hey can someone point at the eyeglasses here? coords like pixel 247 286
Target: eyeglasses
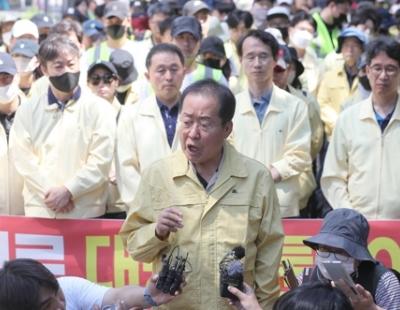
pixel 390 70
pixel 339 256
pixel 96 79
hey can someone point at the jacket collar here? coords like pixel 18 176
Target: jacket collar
pixel 231 166
pixel 367 110
pixel 247 106
pixel 149 107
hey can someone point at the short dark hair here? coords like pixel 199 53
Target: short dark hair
pixel 66 26
pixel 236 17
pixel 20 283
pixel 303 16
pixel 314 296
pixel 363 14
pixel 55 45
pixel 327 2
pixel 210 88
pixel 164 48
pixel 265 37
pixel 166 24
pixel 386 45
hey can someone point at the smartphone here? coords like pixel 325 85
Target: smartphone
pixel 337 272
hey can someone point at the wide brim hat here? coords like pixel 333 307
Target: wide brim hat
pixel 345 229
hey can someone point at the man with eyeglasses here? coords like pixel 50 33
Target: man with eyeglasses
pixel 271 125
pixel 361 169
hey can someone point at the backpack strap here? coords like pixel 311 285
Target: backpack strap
pixel 369 274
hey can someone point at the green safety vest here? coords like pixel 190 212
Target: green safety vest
pixel 326 43
pixel 204 72
pixel 98 52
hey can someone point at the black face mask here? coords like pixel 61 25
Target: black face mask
pixel 115 31
pixel 42 37
pixel 339 21
pixel 213 63
pixel 65 82
pixel 364 82
pixel 285 33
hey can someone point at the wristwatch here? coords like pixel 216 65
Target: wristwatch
pixel 148 299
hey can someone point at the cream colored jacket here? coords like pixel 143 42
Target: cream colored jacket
pixel 141 140
pixel 362 169
pixel 73 148
pixel 241 209
pixel 11 183
pixel 283 140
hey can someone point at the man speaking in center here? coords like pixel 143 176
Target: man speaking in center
pixel 207 199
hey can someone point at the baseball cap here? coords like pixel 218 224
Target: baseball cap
pixel 125 66
pixel 284 2
pixel 188 24
pixel 27 48
pixel 92 27
pixel 23 27
pixel 7 64
pixel 102 64
pixel 193 6
pixel 278 11
pixel 351 32
pixel 276 33
pixel 118 9
pixel 42 20
pixel 213 45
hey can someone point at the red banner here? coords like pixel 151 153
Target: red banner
pixel 92 248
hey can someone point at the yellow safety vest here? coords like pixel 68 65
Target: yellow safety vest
pixel 326 42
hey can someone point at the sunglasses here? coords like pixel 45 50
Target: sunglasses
pixel 107 79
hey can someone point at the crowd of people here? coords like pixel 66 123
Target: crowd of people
pixel 202 124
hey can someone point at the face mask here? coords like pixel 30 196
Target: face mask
pixel 213 63
pixel 6 38
pixel 115 31
pixel 24 64
pixel 301 39
pixel 364 82
pixel 9 92
pixel 347 263
pixel 339 21
pixel 65 82
pixel 42 37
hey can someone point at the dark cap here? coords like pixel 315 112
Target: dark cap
pixel 193 6
pixel 7 64
pixel 27 48
pixel 102 64
pixel 118 9
pixel 188 24
pixel 92 27
pixel 42 20
pixel 344 229
pixel 213 45
pixel 123 62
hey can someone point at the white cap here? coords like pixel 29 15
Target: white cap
pixel 283 2
pixel 278 10
pixel 23 27
pixel 277 34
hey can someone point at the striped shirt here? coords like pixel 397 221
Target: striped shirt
pixel 387 295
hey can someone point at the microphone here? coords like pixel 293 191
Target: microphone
pixel 231 272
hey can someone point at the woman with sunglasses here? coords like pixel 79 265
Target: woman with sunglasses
pixel 102 79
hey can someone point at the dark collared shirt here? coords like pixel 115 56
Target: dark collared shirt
pixel 61 105
pixel 170 117
pixel 261 105
pixel 383 121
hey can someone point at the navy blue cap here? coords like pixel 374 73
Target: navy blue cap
pixel 103 64
pixel 351 32
pixel 188 24
pixel 7 64
pixel 25 47
pixel 42 20
pixel 92 27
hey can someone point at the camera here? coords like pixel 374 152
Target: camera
pixel 231 272
pixel 171 274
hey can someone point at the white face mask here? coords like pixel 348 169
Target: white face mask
pixel 6 38
pixel 25 64
pixel 301 38
pixel 123 88
pixel 347 263
pixel 9 92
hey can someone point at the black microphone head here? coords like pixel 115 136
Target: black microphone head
pixel 239 252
